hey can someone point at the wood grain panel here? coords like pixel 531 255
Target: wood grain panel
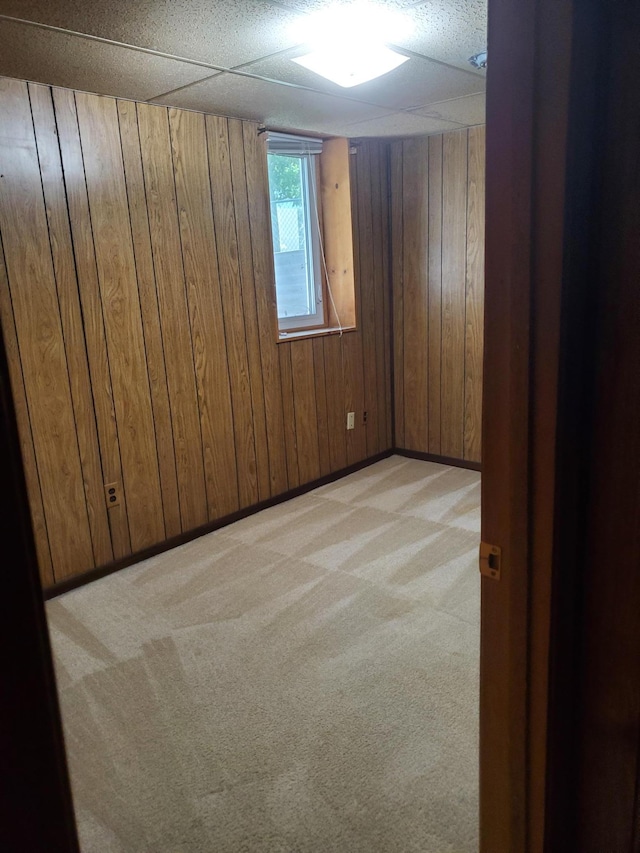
pixel 149 233
pixel 232 306
pixel 203 288
pixel 264 278
pixel 474 323
pixel 385 284
pixel 365 243
pixel 36 506
pixel 336 401
pixel 321 406
pixel 104 170
pixel 415 293
pixel 305 408
pixel 434 330
pixel 378 411
pixel 437 238
pixel 71 318
pixel 352 345
pixel 85 261
pixel 150 314
pixel 174 313
pixel 396 170
pixel 454 235
pixel 289 413
pixel 23 226
pixel 250 310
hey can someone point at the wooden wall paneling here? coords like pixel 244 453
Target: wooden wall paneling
pixel 366 272
pixel 94 332
pixel 71 318
pixel 396 169
pixel 264 278
pixel 29 464
pixel 336 401
pixel 134 178
pixel 24 230
pixel 435 292
pixel 474 315
pixel 305 407
pixel 108 204
pixel 321 406
pixel 415 291
pixel 245 259
pixel 291 442
pixel 232 305
pixel 380 277
pixel 193 193
pixel 454 235
pixel 159 178
pixel 352 356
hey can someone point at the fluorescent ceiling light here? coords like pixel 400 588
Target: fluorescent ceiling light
pixel 352 67
pixel 348 42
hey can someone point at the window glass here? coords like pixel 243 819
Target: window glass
pixel 296 245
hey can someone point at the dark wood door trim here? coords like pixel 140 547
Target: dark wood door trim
pixel 541 151
pixel 37 810
pixel 560 707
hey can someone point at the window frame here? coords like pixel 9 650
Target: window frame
pixel 336 230
pixel 313 247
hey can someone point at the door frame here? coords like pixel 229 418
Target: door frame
pixel 36 811
pixel 547 271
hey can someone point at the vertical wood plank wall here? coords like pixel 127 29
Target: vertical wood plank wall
pixel 136 298
pixel 437 209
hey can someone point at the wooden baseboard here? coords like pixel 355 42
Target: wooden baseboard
pixel 102 571
pixel 442 460
pixel 166 545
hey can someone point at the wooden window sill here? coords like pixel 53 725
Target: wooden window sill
pixel 283 337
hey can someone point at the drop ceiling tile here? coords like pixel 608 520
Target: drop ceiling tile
pixel 274 104
pixel 449 30
pixel 221 32
pixel 400 124
pixel 46 56
pixel 467 111
pixel 413 84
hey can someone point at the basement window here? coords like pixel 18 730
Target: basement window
pixel 311 234
pixel 295 228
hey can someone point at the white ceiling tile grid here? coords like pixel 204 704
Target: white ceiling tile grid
pixel 204 37
pixel 221 32
pixel 47 56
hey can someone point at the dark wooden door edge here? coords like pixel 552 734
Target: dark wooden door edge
pixel 115 566
pixel 36 811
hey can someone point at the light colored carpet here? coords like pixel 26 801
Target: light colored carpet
pixel 302 681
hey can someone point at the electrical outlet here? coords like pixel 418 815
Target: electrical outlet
pixel 113 494
pixel 351 420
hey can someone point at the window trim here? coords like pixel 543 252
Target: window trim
pixel 333 183
pixel 313 248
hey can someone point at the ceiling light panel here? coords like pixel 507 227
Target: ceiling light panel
pixel 221 32
pixel 350 68
pixel 46 56
pixel 316 5
pixel 416 83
